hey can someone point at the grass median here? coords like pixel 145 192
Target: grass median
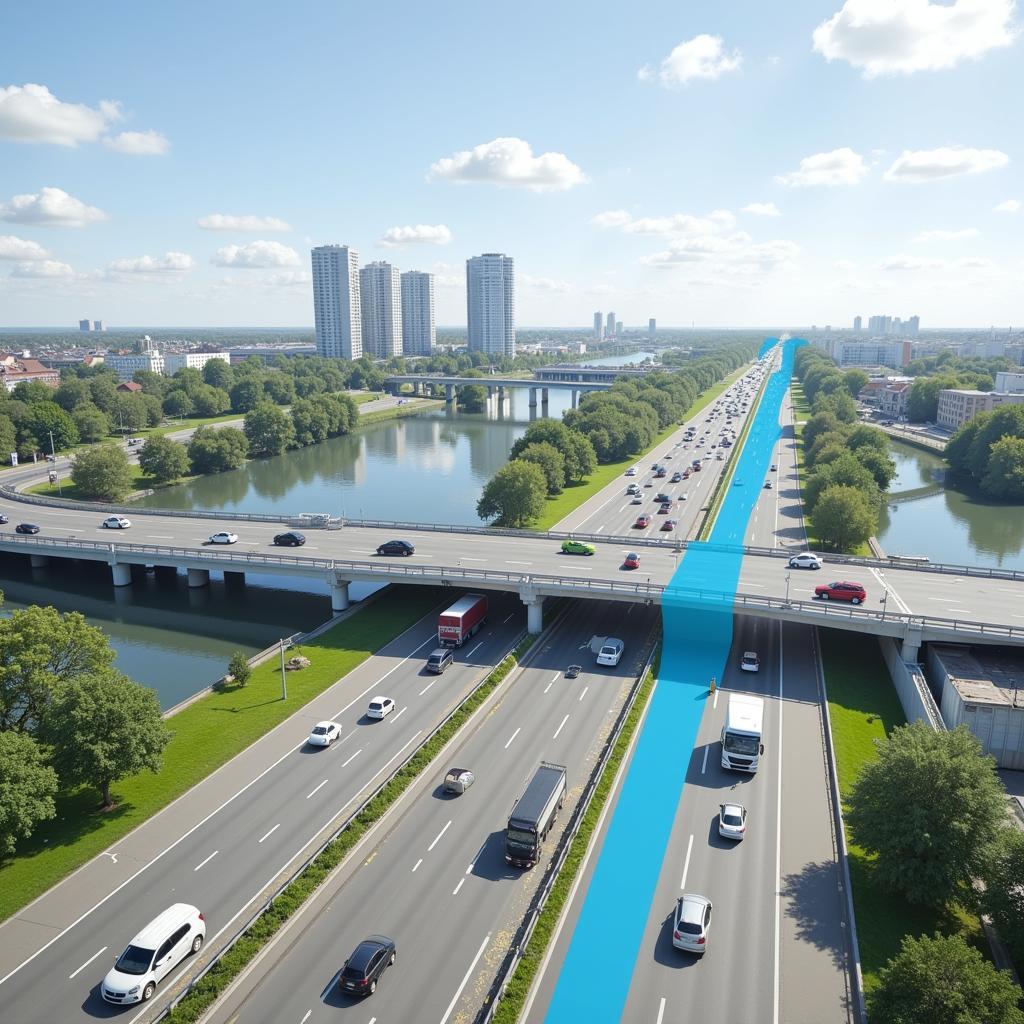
pixel 864 708
pixel 207 734
pixel 232 963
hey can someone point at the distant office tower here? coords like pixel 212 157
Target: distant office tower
pixel 97 325
pixel 336 304
pixel 856 323
pixel 609 326
pixel 381 298
pixel 490 304
pixel 84 325
pixel 652 327
pixel 913 326
pixel 598 326
pixel 419 331
pixel 618 328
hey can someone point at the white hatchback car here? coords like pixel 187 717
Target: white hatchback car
pixel 379 707
pixel 805 560
pixel 224 538
pixel 732 821
pixel 324 734
pixel 750 662
pixel 691 923
pixel 116 523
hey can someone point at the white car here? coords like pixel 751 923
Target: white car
pixel 116 523
pixel 631 471
pixel 805 560
pixel 691 923
pixel 379 707
pixel 750 662
pixel 637 500
pixel 324 734
pixel 732 821
pixel 224 538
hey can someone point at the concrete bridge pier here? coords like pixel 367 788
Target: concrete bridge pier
pixel 533 397
pixel 234 579
pixel 575 398
pixel 534 610
pixel 198 578
pixel 544 397
pixel 501 397
pixel 449 394
pixel 122 573
pixel 910 649
pixel 339 595
pixel 38 561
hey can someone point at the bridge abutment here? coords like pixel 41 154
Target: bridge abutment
pixel 910 649
pixel 339 595
pixel 534 610
pixel 198 578
pixel 122 573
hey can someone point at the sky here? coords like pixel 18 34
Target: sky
pixel 708 164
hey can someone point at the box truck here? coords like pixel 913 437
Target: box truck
pixel 741 735
pixel 533 814
pixel 459 622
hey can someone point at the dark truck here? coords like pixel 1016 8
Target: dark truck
pixel 533 814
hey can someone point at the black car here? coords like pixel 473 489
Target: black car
pixel 290 540
pixel 396 547
pixel 362 970
pixel 573 671
pixel 26 528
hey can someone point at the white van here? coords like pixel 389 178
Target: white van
pixel 611 651
pixel 153 954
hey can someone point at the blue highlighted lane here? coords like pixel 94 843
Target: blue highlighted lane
pixel 593 983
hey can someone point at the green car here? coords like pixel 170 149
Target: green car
pixel 577 547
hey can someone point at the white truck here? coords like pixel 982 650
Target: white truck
pixel 741 735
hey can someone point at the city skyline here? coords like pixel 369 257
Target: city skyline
pixel 871 162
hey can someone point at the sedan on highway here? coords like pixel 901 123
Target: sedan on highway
pixel 577 547
pixel 732 821
pixel 637 500
pixel 224 538
pixel 363 969
pixel 750 662
pixel 380 707
pixel 841 591
pixel 396 547
pixel 26 528
pixel 324 734
pixel 631 561
pixel 3 520
pixel 642 522
pixel 691 923
pixel 116 523
pixel 668 524
pixel 291 539
pixel 805 560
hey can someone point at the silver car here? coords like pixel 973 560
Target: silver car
pixel 691 923
pixel 805 560
pixel 732 821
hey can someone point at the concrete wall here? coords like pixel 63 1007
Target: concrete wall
pixel 911 686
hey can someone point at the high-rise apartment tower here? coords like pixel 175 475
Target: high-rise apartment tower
pixel 337 309
pixel 381 298
pixel 609 326
pixel 598 326
pixel 419 331
pixel 490 304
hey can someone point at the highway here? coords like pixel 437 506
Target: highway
pixel 434 879
pixel 232 835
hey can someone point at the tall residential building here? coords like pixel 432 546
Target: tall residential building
pixel 337 310
pixel 857 322
pixel 609 326
pixel 85 325
pixel 652 327
pixel 419 329
pixel 618 328
pixel 598 326
pixel 97 325
pixel 491 305
pixel 381 295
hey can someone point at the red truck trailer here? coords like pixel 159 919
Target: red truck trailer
pixel 459 622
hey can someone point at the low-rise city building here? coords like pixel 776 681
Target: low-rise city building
pixel 15 369
pixel 958 406
pixel 175 361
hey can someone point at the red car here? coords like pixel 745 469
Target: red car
pixel 668 524
pixel 642 522
pixel 632 561
pixel 841 591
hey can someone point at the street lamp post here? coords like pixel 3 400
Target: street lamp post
pixel 284 684
pixel 885 599
pixel 788 575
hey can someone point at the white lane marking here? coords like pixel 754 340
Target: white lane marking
pixel 159 536
pixel 778 841
pixel 507 562
pixel 892 591
pixel 437 838
pixel 466 558
pixel 962 611
pixel 584 693
pixel 704 765
pixel 475 649
pixel 559 729
pixel 548 687
pixel 345 764
pixel 306 1017
pixel 317 789
pixel 661 1011
pixel 207 861
pixel 512 737
pixel 503 621
pixel 86 964
pixel 455 891
pixel 427 687
pixel 417 864
pixel 555 677
pixel 686 864
pixel 458 991
pixel 270 833
pixel 600 528
pixel 400 713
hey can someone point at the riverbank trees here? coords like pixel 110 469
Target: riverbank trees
pixel 990 451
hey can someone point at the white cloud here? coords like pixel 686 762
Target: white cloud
pixel 975 263
pixel 700 57
pixel 762 209
pixel 241 222
pixel 169 263
pixel 903 262
pixel 1007 206
pixel 837 167
pixel 138 143
pixel 43 268
pixel 14 248
pixel 289 279
pixel 845 265
pixel 943 235
pixel 31 113
pixel 671 225
pixel 509 162
pixel 612 219
pixel 545 284
pixel 417 234
pixel 731 253
pixel 916 166
pixel 887 37
pixel 51 206
pixel 256 255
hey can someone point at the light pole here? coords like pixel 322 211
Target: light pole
pixel 284 684
pixel 788 575
pixel 53 452
pixel 885 599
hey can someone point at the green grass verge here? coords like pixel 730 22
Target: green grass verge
pixel 207 990
pixel 558 506
pixel 70 490
pixel 863 707
pixel 207 734
pixel 362 397
pixel 397 412
pixel 189 423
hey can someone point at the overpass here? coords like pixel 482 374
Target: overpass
pixel 584 374
pixel 495 385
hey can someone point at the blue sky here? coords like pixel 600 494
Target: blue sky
pixel 885 134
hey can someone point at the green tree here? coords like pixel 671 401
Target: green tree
pixel 39 648
pixel 102 727
pixel 27 788
pixel 580 459
pixel 210 401
pixel 92 423
pixel 820 423
pixel 846 470
pixel 1003 898
pixel 102 473
pixel 178 403
pixel 923 397
pixel 216 449
pixel 155 384
pixel 72 391
pixel 130 412
pixel 246 394
pixel 843 517
pixel 279 388
pixel 855 380
pixel 1004 474
pixel 239 668
pixel 878 463
pixel 8 438
pixel 269 429
pixel 311 421
pixel 515 495
pixel 942 979
pixel 45 418
pixel 551 462
pixel 217 373
pixel 930 806
pixel 164 460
